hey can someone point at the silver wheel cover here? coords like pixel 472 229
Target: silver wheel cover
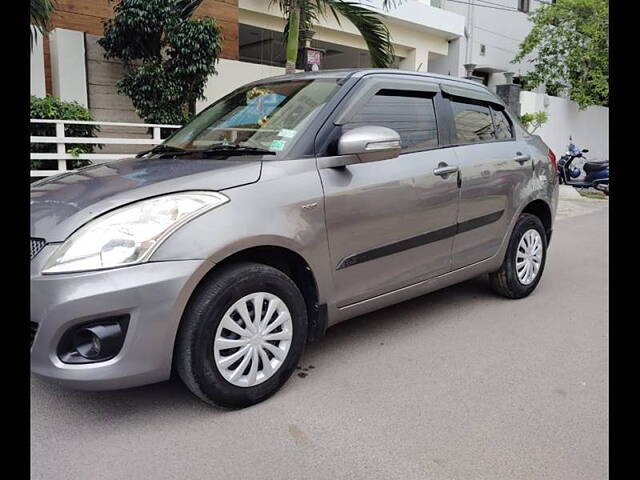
pixel 529 256
pixel 253 339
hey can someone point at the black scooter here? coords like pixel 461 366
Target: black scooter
pixel 597 173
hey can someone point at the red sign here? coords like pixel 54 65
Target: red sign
pixel 314 57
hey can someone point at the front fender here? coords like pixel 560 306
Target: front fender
pixel 284 210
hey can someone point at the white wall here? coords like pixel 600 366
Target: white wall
pixel 589 128
pixel 68 65
pixel 451 63
pixel 231 75
pixel 37 67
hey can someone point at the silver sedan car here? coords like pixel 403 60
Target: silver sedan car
pixel 289 205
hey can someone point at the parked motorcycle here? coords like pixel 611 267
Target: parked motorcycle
pixel 596 173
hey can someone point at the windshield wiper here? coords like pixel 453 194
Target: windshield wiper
pixel 162 148
pixel 239 149
pixel 230 149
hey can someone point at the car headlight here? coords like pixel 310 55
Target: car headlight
pixel 129 234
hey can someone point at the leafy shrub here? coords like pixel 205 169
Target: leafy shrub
pixel 168 56
pixel 554 88
pixel 52 108
pixel 534 120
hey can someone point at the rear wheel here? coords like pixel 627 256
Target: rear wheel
pixel 241 336
pixel 603 187
pixel 524 261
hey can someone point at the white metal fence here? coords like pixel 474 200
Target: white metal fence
pixel 60 140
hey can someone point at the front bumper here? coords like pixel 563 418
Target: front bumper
pixel 153 294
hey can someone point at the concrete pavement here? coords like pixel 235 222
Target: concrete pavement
pixel 572 203
pixel 458 384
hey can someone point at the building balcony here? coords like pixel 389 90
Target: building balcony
pixel 426 15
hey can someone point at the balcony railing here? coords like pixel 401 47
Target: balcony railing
pixel 60 140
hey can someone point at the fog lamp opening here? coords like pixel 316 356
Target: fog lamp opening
pixel 95 341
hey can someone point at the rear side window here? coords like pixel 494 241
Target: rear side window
pixel 502 124
pixel 472 122
pixel 409 113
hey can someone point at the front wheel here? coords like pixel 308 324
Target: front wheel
pixel 524 261
pixel 241 336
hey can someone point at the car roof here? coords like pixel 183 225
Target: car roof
pixel 361 72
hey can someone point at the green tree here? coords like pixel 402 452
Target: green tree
pixel 40 14
pixel 302 14
pixel 569 48
pixel 168 56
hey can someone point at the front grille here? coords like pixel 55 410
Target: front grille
pixel 37 244
pixel 34 329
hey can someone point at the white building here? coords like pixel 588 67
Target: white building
pixel 493 31
pixel 419 32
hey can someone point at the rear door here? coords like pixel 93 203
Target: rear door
pixel 494 167
pixel 390 223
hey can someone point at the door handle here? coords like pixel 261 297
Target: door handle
pixel 444 170
pixel 520 158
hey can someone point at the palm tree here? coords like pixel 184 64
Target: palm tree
pixel 41 11
pixel 301 14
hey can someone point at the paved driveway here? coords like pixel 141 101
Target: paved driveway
pixel 459 384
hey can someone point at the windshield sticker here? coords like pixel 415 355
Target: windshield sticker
pixel 287 133
pixel 278 145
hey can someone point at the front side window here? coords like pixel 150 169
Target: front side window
pixel 473 122
pixel 409 113
pixel 268 116
pixel 502 124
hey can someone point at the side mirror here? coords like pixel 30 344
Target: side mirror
pixel 585 150
pixel 365 144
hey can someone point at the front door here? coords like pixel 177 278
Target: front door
pixel 389 223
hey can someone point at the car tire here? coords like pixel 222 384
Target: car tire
pixel 198 356
pixel 510 280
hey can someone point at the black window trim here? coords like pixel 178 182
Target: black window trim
pixel 373 84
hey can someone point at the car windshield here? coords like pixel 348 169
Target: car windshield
pixel 267 116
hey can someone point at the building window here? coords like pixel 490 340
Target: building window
pixel 409 113
pixel 523 6
pixel 483 75
pixel 267 47
pixel 258 45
